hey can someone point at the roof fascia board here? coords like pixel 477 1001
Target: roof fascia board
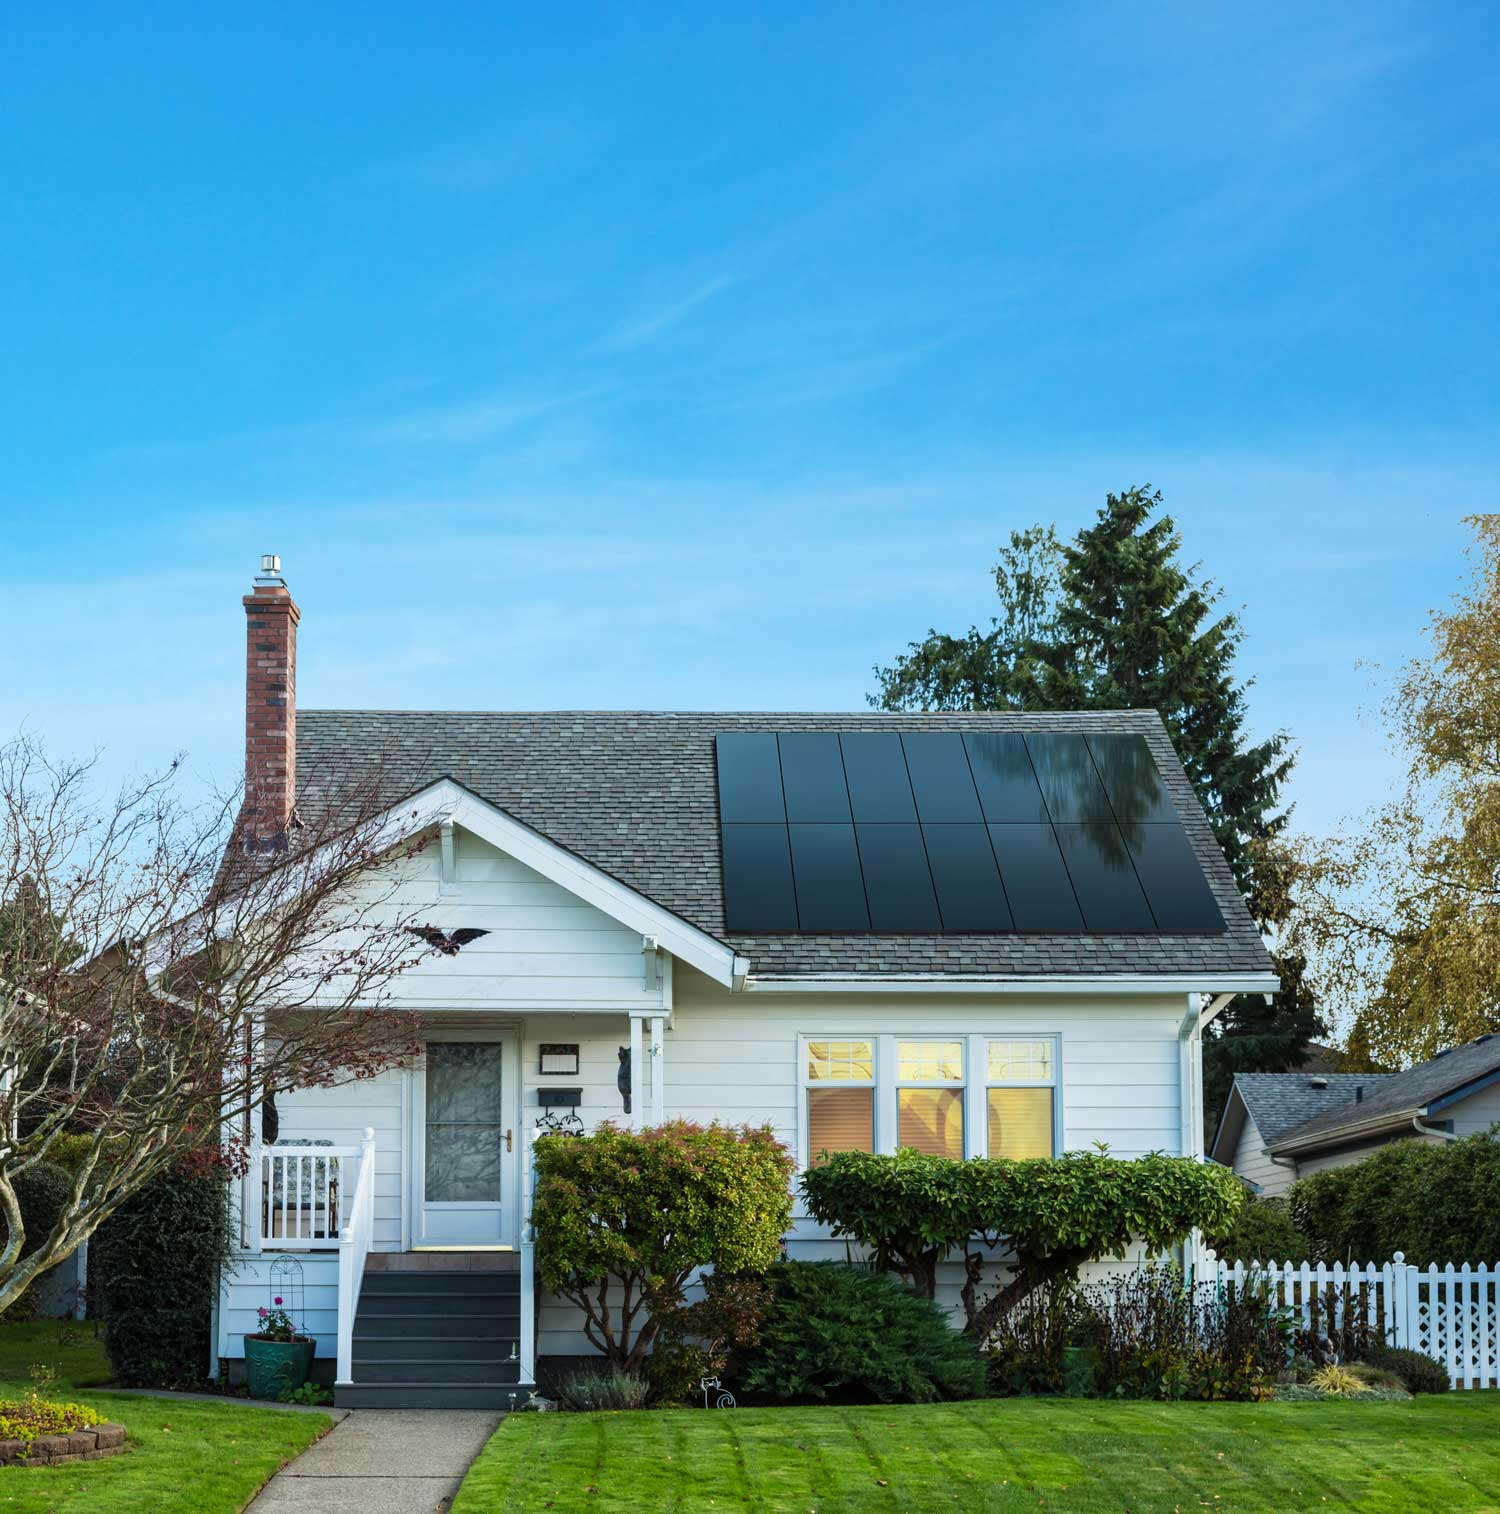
pixel 1040 983
pixel 1462 1092
pixel 464 808
pixel 1236 1107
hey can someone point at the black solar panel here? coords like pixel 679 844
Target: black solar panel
pixel 826 872
pixel 924 832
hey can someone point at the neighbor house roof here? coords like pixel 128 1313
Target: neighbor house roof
pixel 635 795
pixel 1281 1101
pixel 1396 1099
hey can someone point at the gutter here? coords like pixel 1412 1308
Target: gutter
pixel 1338 1135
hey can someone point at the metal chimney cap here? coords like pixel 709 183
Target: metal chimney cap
pixel 270 570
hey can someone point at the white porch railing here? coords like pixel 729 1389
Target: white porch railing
pixel 1450 1313
pixel 354 1248
pixel 297 1196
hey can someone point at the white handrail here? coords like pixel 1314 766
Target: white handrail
pixel 354 1248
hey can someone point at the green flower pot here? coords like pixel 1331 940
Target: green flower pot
pixel 276 1367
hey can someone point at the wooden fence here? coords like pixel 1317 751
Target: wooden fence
pixel 1451 1313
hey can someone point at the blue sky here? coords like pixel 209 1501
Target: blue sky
pixel 699 356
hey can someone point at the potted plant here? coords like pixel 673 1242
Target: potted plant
pixel 277 1356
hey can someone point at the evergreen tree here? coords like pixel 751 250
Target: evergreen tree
pixel 1113 620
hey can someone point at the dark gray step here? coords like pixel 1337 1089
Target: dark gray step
pixel 446 1326
pixel 487 1283
pixel 435 1303
pixel 387 1370
pixel 409 1395
pixel 465 1348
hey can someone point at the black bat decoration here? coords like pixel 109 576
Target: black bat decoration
pixel 446 942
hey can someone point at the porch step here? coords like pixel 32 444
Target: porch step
pixel 431 1336
pixel 449 1284
pixel 443 1369
pixel 409 1395
pixel 439 1347
pixel 374 1326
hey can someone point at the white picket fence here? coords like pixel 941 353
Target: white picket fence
pixel 1451 1313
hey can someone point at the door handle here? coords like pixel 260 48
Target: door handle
pixel 508 1145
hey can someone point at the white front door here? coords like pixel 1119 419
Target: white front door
pixel 465 1144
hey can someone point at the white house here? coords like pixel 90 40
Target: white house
pixel 1281 1126
pixel 971 933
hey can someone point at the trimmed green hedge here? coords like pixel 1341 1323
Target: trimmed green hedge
pixel 1436 1203
pixel 157 1261
pixel 1263 1231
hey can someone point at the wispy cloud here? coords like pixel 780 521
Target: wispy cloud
pixel 647 328
pixel 474 420
pixel 478 167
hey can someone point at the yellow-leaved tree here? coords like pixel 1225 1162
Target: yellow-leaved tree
pixel 1399 916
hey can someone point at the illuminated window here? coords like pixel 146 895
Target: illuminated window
pixel 842 1117
pixel 949 1096
pixel 1020 1097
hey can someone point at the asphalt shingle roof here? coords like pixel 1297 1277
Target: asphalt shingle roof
pixel 1401 1093
pixel 635 794
pixel 1281 1101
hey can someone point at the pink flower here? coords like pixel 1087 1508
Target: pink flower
pixel 275 1300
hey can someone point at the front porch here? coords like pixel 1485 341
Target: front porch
pixel 406 1252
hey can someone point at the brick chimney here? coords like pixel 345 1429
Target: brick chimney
pixel 270 709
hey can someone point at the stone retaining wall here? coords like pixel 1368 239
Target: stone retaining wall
pixel 53 1450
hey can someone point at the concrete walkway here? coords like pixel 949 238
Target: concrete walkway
pixel 382 1461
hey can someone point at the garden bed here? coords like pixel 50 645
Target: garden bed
pixel 51 1447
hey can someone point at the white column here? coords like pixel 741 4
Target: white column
pixel 637 1082
pixel 658 1070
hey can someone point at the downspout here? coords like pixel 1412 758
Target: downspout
pixel 1431 1130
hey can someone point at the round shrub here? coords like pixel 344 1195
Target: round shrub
pixel 1264 1231
pixel 851 1335
pixel 157 1261
pixel 1419 1372
pixel 624 1218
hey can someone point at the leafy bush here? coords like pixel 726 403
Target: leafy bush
pixel 1146 1334
pixel 1375 1377
pixel 643 1211
pixel 584 1391
pixel 699 1340
pixel 157 1261
pixel 852 1335
pixel 1434 1202
pixel 1418 1372
pixel 1263 1231
pixel 1054 1214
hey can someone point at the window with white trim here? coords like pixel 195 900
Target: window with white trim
pixel 952 1096
pixel 839 1077
pixel 1020 1096
pixel 930 1097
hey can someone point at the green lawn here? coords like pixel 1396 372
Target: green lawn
pixel 1433 1454
pixel 184 1458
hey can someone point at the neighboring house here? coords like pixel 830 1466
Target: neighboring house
pixel 1281 1126
pixel 974 934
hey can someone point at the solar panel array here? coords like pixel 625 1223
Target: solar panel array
pixel 918 833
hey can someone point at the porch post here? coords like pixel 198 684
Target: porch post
pixel 658 1071
pixel 636 1080
pixel 253 1183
